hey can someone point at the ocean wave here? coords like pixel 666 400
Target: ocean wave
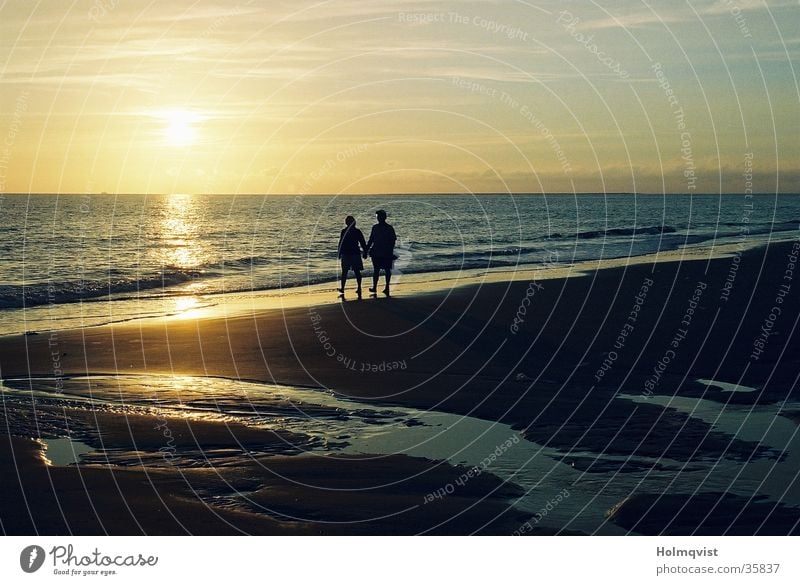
pixel 584 235
pixel 636 231
pixel 775 226
pixel 246 261
pixel 51 293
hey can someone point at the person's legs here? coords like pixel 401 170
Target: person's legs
pixel 358 281
pixel 388 274
pixel 376 272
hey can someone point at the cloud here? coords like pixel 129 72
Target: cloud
pixel 635 20
pixel 674 14
pixel 729 6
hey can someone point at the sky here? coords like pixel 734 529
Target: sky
pixel 359 96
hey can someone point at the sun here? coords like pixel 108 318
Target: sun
pixel 181 127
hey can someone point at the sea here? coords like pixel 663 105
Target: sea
pixel 78 260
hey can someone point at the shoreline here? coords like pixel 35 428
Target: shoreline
pixel 239 303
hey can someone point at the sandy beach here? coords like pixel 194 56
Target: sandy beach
pixel 548 357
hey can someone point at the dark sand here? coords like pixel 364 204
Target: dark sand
pixel 452 351
pixel 276 496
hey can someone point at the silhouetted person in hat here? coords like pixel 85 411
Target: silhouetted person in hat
pixel 381 248
pixel 351 246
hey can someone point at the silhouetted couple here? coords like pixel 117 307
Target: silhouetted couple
pixel 380 248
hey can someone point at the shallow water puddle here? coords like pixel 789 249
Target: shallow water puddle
pixel 762 424
pixel 727 386
pixel 64 451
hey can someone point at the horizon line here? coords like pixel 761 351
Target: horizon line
pixel 396 194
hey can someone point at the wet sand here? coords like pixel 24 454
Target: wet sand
pixel 302 495
pixel 547 357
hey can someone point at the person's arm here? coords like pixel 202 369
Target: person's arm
pixel 362 242
pixel 370 242
pixel 339 245
pixel 394 237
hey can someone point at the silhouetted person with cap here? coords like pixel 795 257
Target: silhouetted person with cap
pixel 381 248
pixel 351 245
